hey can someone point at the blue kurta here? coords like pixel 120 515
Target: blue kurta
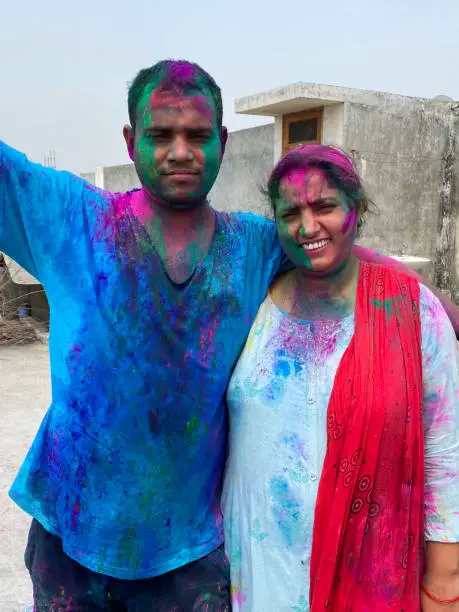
pixel 126 467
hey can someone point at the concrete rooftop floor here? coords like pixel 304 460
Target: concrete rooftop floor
pixel 24 398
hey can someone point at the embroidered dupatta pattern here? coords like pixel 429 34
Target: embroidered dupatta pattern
pixel 368 538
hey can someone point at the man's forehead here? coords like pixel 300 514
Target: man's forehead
pixel 163 105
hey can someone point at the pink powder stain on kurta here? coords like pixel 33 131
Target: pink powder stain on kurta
pixel 140 206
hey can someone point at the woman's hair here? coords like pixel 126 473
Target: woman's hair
pixel 338 167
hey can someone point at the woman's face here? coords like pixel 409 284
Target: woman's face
pixel 317 223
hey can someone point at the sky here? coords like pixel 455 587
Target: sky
pixel 65 66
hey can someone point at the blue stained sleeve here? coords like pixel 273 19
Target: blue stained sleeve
pixel 35 209
pixel 441 421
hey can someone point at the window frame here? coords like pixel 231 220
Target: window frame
pixel 316 113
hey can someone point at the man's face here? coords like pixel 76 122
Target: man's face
pixel 177 146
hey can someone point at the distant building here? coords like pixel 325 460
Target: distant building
pixel 20 292
pixel 405 149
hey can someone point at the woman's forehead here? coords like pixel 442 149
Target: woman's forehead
pixel 312 183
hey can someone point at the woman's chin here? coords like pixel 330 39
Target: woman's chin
pixel 319 266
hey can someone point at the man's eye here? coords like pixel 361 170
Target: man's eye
pixel 199 136
pixel 158 136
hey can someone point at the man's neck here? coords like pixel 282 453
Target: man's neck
pixel 181 237
pixel 327 297
pixel 174 221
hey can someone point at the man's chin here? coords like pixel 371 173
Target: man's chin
pixel 176 201
pixel 185 203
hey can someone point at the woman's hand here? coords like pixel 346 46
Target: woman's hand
pixel 441 578
pixel 427 605
pixel 443 586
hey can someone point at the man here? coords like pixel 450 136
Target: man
pixel 152 294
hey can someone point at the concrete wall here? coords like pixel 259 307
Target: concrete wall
pixel 113 178
pixel 278 140
pixel 246 165
pixel 407 152
pixel 13 295
pixel 446 263
pixel 89 176
pixel 117 178
pixel 333 125
pixel 38 301
pixel 400 152
pixel 455 196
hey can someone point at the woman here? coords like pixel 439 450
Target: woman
pixel 344 420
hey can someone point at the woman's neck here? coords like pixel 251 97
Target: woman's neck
pixel 328 297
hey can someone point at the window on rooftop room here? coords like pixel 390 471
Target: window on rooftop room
pixel 301 128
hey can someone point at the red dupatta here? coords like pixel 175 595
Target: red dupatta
pixel 367 549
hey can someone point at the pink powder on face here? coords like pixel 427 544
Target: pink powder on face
pixel 344 173
pixel 177 100
pixel 295 177
pixel 308 183
pixel 351 221
pixel 314 182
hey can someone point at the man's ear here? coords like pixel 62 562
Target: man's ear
pixel 128 134
pixel 223 138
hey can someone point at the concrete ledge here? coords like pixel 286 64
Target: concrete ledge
pixel 19 275
pixel 415 263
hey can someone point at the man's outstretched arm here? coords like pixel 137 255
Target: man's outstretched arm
pixel 36 206
pixel 451 309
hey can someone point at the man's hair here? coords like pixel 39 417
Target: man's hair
pixel 177 76
pixel 338 167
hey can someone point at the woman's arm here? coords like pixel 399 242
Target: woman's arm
pixel 441 436
pixel 451 309
pixel 442 576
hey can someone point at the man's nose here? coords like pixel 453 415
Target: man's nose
pixel 180 150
